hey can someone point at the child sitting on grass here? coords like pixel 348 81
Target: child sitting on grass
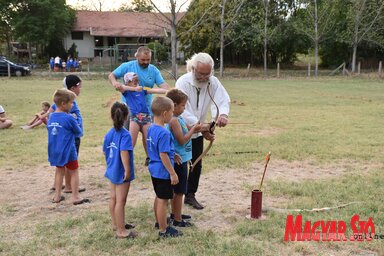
pixel 118 152
pixel 62 130
pixel 40 118
pixel 140 116
pixel 183 146
pixel 161 152
pixel 4 121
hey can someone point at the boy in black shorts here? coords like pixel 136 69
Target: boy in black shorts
pixel 161 151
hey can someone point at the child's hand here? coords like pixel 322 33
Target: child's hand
pixel 197 127
pixel 178 159
pixel 174 179
pixel 127 175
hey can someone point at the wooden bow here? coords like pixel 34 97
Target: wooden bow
pixel 211 130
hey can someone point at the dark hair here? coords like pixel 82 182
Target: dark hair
pixel 119 113
pixel 71 81
pixel 161 104
pixel 177 96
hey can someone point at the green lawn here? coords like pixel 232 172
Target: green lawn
pixel 324 122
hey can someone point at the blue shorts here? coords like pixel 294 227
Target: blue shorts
pixel 182 173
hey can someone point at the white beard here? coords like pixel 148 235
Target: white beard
pixel 200 84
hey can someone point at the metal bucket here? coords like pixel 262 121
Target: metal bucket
pixel 256 203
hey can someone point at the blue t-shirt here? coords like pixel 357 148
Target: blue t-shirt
pixel 74 110
pixel 114 143
pixel 185 150
pixel 148 77
pixel 62 130
pixel 159 140
pixel 136 102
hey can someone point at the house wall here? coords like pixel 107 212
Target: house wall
pixel 84 47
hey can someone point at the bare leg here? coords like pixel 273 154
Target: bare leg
pixel 74 184
pixel 121 199
pixel 68 181
pixel 112 204
pixel 134 130
pixel 161 213
pixel 6 124
pixel 37 123
pixel 145 129
pixel 58 181
pixel 32 121
pixel 177 203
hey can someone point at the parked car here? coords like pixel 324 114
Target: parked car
pixel 16 69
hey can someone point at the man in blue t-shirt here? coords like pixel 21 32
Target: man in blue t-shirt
pixel 148 74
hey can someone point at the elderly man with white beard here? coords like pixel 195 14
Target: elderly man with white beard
pixel 202 88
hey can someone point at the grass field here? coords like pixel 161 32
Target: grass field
pixel 327 148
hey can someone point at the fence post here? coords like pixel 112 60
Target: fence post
pixel 309 69
pixel 9 70
pixel 278 69
pixel 89 75
pixel 248 67
pixel 380 67
pixel 358 67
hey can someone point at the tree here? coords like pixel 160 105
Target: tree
pixel 227 20
pixel 137 6
pixel 172 21
pixel 5 28
pixel 314 19
pixel 364 19
pixel 39 22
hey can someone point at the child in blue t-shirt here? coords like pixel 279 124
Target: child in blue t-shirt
pixel 140 116
pixel 183 146
pixel 118 151
pixel 161 152
pixel 62 130
pixel 74 84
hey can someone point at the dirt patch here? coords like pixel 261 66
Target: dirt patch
pixel 225 193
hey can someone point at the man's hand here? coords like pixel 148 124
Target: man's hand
pixel 222 121
pixel 209 136
pixel 117 86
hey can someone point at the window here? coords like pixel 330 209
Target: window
pixel 77 35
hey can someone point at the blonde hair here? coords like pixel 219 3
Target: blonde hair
pixel 63 96
pixel 161 104
pixel 200 57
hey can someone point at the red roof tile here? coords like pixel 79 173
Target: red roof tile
pixel 122 24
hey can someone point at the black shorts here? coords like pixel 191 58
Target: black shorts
pixel 182 172
pixel 77 144
pixel 163 188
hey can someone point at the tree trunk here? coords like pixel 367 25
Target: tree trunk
pixel 316 41
pixel 222 37
pixel 266 3
pixel 354 57
pixel 174 39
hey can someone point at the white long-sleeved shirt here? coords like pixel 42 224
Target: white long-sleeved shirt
pixel 199 101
